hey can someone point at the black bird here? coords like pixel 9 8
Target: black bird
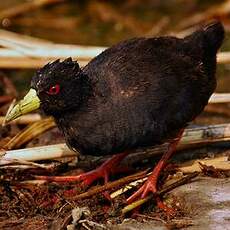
pixel 138 93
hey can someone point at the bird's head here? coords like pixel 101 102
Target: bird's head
pixel 55 88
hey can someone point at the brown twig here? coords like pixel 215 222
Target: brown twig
pixel 166 189
pixel 129 186
pixel 178 183
pixel 111 185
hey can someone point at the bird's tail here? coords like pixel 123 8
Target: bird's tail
pixel 204 44
pixel 213 37
pixel 208 38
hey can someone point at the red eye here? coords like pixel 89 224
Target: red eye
pixel 54 90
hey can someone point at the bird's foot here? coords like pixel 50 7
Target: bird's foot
pixel 150 186
pixel 142 192
pixel 89 177
pixel 103 171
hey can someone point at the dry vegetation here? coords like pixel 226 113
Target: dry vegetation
pixel 32 147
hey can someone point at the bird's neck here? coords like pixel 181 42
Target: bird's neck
pixel 76 102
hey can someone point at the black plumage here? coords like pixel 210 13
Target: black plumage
pixel 137 93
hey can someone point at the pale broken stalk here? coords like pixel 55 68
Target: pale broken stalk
pixel 192 137
pixel 128 187
pixel 36 153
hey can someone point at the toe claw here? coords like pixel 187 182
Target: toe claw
pixel 161 205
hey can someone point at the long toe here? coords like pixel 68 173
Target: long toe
pixel 98 173
pixel 136 195
pixel 86 178
pixel 104 171
pixel 144 190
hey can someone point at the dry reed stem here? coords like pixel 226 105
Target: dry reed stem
pixel 30 133
pixel 21 51
pixel 219 98
pixel 111 185
pixel 192 137
pixel 12 59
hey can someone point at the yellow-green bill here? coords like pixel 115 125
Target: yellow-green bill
pixel 28 104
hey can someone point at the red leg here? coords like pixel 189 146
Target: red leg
pixel 88 178
pixel 151 184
